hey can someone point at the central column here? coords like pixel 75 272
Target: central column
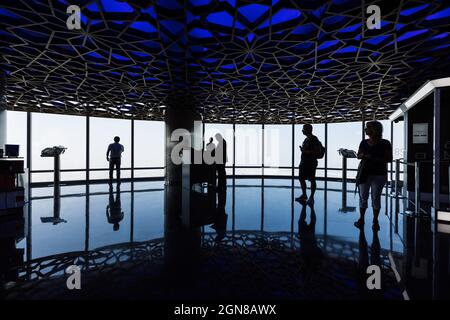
pixel 180 118
pixel 2 110
pixel 2 128
pixel 181 242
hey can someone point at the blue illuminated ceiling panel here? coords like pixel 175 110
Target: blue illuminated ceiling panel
pixel 243 61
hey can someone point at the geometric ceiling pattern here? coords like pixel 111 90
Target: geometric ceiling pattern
pixel 242 61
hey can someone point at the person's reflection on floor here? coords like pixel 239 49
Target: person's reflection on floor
pixel 221 217
pixel 310 252
pixel 375 250
pixel 114 212
pixel 363 258
pixel 364 263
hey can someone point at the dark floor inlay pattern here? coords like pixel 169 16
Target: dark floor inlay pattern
pixel 242 264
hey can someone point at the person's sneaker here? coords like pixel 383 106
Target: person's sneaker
pixel 310 201
pixel 302 198
pixel 359 224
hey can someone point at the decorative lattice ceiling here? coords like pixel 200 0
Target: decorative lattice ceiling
pixel 247 61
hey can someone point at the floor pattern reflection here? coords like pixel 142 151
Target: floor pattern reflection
pixel 260 265
pixel 257 243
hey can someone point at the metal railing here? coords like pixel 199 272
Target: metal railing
pixel 98 169
pixel 397 177
pixel 73 170
pixel 417 196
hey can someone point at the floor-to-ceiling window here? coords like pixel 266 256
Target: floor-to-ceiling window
pixel 50 130
pixel 386 129
pixel 16 131
pixel 386 135
pixel 249 149
pixel 276 152
pixel 345 135
pixel 277 149
pixel 398 144
pixel 102 133
pixel 399 140
pixel 149 139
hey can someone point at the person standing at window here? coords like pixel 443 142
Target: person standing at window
pixel 114 156
pixel 374 153
pixel 210 152
pixel 210 147
pixel 222 158
pixel 308 163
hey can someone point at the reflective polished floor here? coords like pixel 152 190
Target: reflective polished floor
pixel 250 241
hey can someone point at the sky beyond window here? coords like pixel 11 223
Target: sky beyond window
pixel 70 131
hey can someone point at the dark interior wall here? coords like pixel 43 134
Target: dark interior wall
pixel 3 121
pixel 421 113
pixel 445 138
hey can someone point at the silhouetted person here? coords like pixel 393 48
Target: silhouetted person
pixel 114 212
pixel 375 250
pixel 363 258
pixel 221 217
pixel 375 153
pixel 221 151
pixel 309 250
pixel 308 163
pixel 210 152
pixel 114 156
pixel 210 146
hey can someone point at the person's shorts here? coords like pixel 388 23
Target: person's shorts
pixel 114 162
pixel 307 170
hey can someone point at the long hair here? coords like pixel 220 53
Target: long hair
pixel 377 127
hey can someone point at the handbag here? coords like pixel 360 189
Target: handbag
pixel 361 176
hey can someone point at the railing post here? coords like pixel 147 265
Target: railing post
pixel 57 177
pixel 344 175
pixel 417 186
pixel 397 176
pixel 325 173
pixel 88 139
pixel 29 152
pixel 132 150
